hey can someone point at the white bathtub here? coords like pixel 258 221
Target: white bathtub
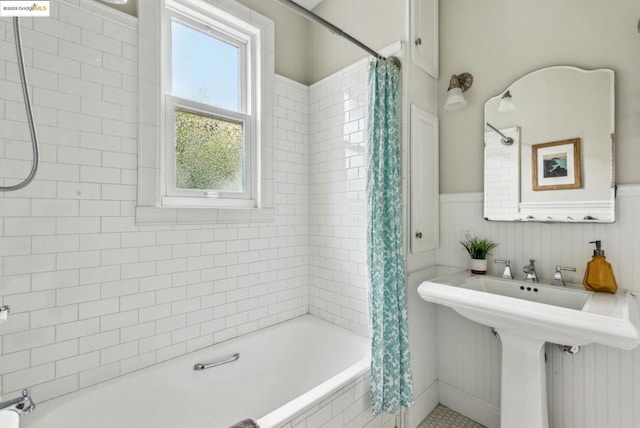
pixel 282 370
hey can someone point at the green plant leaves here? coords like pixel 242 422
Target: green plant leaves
pixel 209 152
pixel 478 248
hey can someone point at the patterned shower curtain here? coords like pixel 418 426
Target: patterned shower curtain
pixel 391 383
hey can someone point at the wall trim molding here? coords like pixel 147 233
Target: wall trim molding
pixel 466 404
pixel 423 405
pixel 624 190
pixel 286 81
pixel 462 197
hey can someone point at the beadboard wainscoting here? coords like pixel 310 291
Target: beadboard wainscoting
pixel 600 386
pixel 422 340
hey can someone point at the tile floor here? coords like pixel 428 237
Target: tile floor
pixel 444 417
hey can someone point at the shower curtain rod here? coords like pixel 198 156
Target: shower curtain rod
pixel 332 28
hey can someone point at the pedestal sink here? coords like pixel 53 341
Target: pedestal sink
pixel 526 315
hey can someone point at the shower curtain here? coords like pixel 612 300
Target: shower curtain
pixel 391 383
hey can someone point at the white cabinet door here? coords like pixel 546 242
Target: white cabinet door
pixel 424 35
pixel 424 187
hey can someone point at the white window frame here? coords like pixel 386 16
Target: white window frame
pixel 154 204
pixel 242 39
pixel 177 197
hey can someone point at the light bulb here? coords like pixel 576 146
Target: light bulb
pixel 506 103
pixel 455 99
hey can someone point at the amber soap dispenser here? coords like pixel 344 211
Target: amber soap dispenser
pixel 599 275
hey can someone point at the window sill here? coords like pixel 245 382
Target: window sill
pixel 192 215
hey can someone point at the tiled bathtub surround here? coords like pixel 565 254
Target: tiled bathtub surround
pixel 94 296
pixel 349 406
pixel 337 204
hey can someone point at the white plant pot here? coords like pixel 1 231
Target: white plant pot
pixel 479 266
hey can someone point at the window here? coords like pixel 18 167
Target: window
pixel 205 149
pixel 210 122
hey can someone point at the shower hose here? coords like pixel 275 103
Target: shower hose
pixel 27 105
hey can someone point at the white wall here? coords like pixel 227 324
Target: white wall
pixel 337 210
pixel 94 296
pixel 502 176
pixel 291 37
pixel 337 200
pixel 376 23
pixel 597 388
pixel 337 205
pixel 308 52
pixel 499 41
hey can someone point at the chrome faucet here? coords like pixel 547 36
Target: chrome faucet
pixel 22 405
pixel 530 270
pixel 557 277
pixel 507 268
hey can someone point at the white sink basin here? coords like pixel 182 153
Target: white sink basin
pixel 9 419
pixel 570 298
pixel 565 315
pixel 526 315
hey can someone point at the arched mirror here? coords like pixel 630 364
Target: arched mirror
pixel 549 148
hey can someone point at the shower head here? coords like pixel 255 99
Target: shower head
pixel 115 1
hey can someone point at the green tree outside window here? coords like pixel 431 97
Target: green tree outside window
pixel 209 153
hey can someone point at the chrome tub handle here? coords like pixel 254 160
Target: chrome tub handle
pixel 201 366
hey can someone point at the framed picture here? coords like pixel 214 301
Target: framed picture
pixel 556 165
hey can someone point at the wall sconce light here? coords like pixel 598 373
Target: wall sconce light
pixel 506 103
pixel 457 85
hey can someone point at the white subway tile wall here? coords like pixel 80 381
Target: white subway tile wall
pixel 348 407
pixel 93 296
pixel 502 176
pixel 337 204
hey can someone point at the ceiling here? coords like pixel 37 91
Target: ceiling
pixel 131 6
pixel 308 4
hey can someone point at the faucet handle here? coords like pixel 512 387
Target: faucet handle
pixel 557 276
pixel 530 270
pixel 27 405
pixel 21 405
pixel 507 268
pixel 531 267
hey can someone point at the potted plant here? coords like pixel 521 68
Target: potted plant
pixel 478 249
